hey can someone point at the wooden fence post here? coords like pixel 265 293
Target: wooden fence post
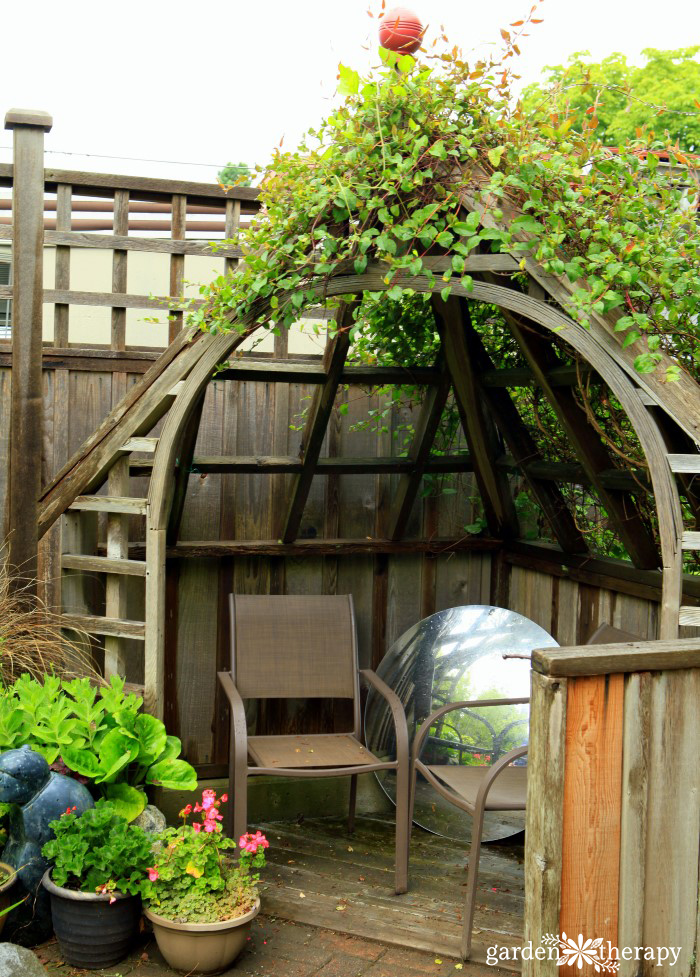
pixel 612 847
pixel 26 422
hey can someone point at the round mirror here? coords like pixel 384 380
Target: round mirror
pixel 460 654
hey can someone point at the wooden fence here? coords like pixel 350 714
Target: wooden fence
pixel 613 852
pixel 392 591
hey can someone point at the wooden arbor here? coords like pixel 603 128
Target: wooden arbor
pixel 176 385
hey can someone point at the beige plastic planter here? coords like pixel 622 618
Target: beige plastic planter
pixel 8 875
pixel 202 948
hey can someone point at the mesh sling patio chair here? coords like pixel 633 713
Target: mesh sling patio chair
pixel 475 790
pixel 305 647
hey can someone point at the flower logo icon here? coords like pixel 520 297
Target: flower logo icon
pixel 576 953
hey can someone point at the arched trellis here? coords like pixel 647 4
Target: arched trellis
pixel 163 488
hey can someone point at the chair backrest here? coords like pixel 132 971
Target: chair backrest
pixel 294 647
pixel 606 634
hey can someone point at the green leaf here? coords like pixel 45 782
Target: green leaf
pixel 175 774
pixel 128 802
pixel 360 264
pixel 494 155
pixel 349 81
pixel 646 362
pixel 116 751
pixel 151 738
pixel 526 223
pixel 173 748
pixel 80 761
pixel 445 293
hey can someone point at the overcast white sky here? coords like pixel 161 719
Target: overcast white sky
pixel 205 82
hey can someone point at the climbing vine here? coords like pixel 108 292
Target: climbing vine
pixel 436 159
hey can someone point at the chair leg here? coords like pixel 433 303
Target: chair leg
pixel 238 800
pixel 353 803
pixel 472 879
pixel 403 827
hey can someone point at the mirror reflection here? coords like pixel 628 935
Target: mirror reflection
pixel 463 653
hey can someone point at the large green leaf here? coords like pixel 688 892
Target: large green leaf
pixel 152 738
pixel 83 762
pixel 175 774
pixel 173 749
pixel 116 752
pixel 127 801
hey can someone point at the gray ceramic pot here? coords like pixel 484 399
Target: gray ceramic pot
pixel 201 948
pixel 92 933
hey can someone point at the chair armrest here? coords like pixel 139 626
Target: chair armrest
pixel 397 712
pixel 420 736
pixel 494 771
pixel 239 727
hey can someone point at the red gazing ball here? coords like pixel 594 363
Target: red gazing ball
pixel 400 30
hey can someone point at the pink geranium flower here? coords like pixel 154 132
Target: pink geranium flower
pixel 153 874
pixel 251 843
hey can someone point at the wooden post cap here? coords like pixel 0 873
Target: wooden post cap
pixel 28 117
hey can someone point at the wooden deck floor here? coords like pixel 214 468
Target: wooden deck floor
pixel 319 875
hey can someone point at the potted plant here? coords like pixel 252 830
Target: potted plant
pixel 99 863
pixel 199 898
pixel 98 735
pixel 8 877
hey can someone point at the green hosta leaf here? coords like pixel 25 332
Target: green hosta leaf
pixel 83 762
pixel 116 752
pixel 151 738
pixel 173 749
pixel 175 774
pixel 127 801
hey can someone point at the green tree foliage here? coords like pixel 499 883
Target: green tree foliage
pixel 662 96
pixel 236 174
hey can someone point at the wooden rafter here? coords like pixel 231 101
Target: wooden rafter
pixel 619 504
pixel 451 317
pixel 317 421
pixel 419 454
pixel 525 452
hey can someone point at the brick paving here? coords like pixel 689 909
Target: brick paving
pixel 278 948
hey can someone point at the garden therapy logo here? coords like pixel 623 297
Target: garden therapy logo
pixel 577 952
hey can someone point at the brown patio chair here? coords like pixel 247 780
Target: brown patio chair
pixel 475 790
pixel 305 647
pixel 501 787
